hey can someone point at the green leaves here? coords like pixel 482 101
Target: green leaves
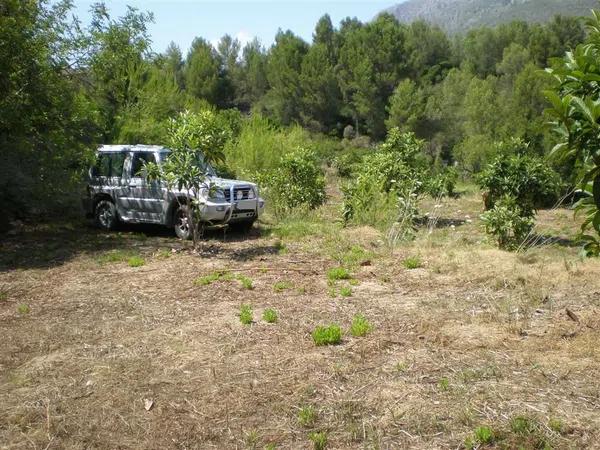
pixel 575 115
pixel 527 179
pixel 203 133
pixel 296 181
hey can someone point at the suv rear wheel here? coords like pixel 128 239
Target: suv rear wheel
pixel 105 215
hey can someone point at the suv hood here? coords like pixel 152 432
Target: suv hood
pixel 225 183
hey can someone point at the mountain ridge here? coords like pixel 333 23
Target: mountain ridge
pixel 458 16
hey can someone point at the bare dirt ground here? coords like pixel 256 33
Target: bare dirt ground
pixel 98 354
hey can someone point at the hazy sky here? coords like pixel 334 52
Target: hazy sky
pixel 182 20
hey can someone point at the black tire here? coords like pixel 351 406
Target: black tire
pixel 105 215
pixel 182 223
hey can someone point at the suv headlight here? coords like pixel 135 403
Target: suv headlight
pixel 216 194
pixel 251 194
pixel 212 193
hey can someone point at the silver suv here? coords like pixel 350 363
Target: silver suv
pixel 118 191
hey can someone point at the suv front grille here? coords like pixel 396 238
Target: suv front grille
pixel 245 190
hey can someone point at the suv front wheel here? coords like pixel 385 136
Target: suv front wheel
pixel 105 215
pixel 182 223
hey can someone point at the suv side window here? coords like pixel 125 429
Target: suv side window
pixel 138 162
pixel 109 165
pixel 116 166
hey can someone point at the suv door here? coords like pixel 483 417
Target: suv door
pixel 106 174
pixel 144 198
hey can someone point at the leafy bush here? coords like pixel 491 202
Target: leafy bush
pixel 297 181
pixel 260 145
pixel 282 286
pixel 246 314
pixel 360 326
pixel 412 262
pixel 218 275
pixel 348 161
pixel 481 436
pixel 136 261
pixel 508 222
pixel 574 117
pixel 307 416
pixel 327 335
pixel 530 181
pixel 270 315
pixel 319 440
pixel 245 281
pixel 338 273
pixel 346 291
pixel 441 184
pixel 387 184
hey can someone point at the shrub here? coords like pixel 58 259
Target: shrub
pixel 387 184
pixel 260 144
pixel 136 261
pixel 522 425
pixel 246 282
pixel 441 184
pixel 246 314
pixel 412 262
pixel 444 384
pixel 270 315
pixel 360 326
pixel 297 181
pixel 218 275
pixel 113 256
pixel 348 161
pixel 319 440
pixel 23 309
pixel 346 291
pixel 327 335
pixel 307 416
pixel 338 273
pixel 525 178
pixel 282 286
pixel 508 222
pixel 481 436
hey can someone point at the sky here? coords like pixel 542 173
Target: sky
pixel 181 21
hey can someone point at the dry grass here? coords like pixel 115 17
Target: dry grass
pixel 474 337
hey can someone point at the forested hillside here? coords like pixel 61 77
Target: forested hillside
pixel 67 87
pixel 457 16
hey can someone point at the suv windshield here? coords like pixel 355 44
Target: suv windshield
pixel 204 165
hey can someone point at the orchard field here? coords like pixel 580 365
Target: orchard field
pixel 133 339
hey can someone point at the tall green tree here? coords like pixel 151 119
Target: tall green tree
pixel 202 73
pixel 252 83
pixel 284 99
pixel 371 63
pixel 118 50
pixel 46 120
pixel 321 95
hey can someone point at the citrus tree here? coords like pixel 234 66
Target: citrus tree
pixel 194 139
pixel 575 120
